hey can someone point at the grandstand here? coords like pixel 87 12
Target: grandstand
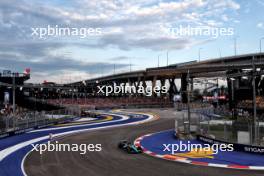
pixel 114 102
pixel 247 104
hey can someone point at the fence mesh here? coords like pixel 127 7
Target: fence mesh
pixel 26 120
pixel 218 124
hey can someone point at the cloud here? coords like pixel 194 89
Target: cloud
pixel 260 25
pixel 225 18
pixel 127 25
pixel 55 64
pixel 126 58
pixel 226 4
pixel 120 58
pixel 31 50
pixel 42 62
pixel 154 43
pixel 65 76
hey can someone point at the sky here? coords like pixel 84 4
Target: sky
pixel 136 33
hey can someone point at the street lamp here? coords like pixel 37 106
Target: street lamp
pixel 220 53
pixel 254 101
pixel 188 102
pixel 232 82
pixel 130 64
pixel 101 69
pixel 167 58
pixel 260 44
pixel 232 96
pixel 159 60
pixel 199 54
pixel 85 84
pixel 235 45
pixel 14 92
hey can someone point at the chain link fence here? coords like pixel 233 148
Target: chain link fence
pixel 219 125
pixel 35 119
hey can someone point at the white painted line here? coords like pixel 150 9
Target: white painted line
pixel 184 161
pixel 4 153
pixel 159 156
pixel 22 164
pixel 147 152
pixel 256 168
pixel 8 151
pixel 217 165
pixel 58 128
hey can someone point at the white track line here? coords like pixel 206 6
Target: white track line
pixel 4 153
pixel 58 128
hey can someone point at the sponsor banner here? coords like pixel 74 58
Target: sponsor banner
pixel 237 147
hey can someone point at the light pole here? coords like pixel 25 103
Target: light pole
pixel 130 64
pixel 232 92
pixel 167 58
pixel 199 54
pixel 159 60
pixel 188 101
pixel 85 92
pixel 254 101
pixel 72 93
pixel 235 45
pixel 220 53
pixel 14 93
pixel 260 44
pixel 217 90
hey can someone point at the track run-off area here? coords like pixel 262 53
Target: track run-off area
pixel 17 157
pixel 153 145
pixel 112 161
pixel 14 149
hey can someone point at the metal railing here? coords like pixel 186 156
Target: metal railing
pixel 36 119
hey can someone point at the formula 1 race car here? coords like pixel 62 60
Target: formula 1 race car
pixel 129 147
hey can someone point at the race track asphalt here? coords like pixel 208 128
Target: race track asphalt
pixel 111 161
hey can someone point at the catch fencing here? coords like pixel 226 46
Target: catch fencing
pixel 219 125
pixel 35 119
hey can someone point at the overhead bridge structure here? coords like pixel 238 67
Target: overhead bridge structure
pixel 225 67
pixel 220 67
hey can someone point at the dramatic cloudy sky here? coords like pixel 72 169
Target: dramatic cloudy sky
pixel 132 32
